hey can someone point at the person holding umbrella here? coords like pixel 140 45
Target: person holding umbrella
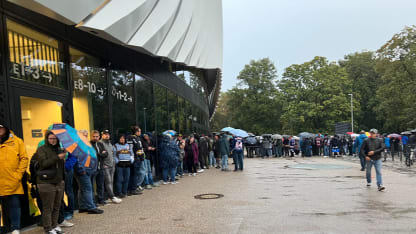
pixel 50 181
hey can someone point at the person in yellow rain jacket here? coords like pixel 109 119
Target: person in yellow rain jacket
pixel 13 164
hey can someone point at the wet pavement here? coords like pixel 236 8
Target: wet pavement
pixel 300 195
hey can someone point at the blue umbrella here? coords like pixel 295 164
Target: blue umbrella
pixel 227 129
pixel 239 132
pixel 169 132
pixel 76 144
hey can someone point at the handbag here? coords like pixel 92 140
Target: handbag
pixel 47 174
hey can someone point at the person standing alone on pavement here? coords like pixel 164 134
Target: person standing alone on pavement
pixel 371 149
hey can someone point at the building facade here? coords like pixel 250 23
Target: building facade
pixel 103 64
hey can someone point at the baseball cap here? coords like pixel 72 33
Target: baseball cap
pixel 105 132
pixel 373 130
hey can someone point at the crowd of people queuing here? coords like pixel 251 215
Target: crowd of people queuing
pixel 326 145
pixel 125 166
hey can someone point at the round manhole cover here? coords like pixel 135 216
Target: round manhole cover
pixel 208 196
pixel 307 166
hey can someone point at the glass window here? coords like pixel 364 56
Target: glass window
pixel 189 117
pixel 173 110
pixel 34 56
pixel 90 91
pixel 161 106
pixel 144 104
pixel 182 115
pixel 122 92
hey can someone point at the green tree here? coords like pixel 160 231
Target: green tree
pixel 360 68
pixel 254 104
pixel 396 64
pixel 316 96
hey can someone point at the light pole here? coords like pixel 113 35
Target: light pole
pixel 352 113
pixel 144 118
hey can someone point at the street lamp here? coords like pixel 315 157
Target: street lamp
pixel 144 118
pixel 352 113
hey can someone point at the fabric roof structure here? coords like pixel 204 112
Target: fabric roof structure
pixel 187 32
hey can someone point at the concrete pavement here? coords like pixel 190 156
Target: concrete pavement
pixel 267 197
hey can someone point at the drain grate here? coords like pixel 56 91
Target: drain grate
pixel 208 196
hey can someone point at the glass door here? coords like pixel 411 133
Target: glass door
pixel 37 115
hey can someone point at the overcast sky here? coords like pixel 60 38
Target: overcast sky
pixel 294 31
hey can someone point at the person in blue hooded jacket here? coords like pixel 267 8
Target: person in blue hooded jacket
pixel 169 159
pixel 358 142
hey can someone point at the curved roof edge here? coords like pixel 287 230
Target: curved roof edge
pixel 187 32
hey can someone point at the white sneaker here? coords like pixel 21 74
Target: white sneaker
pixel 64 224
pixel 200 170
pixel 174 182
pixel 194 174
pixel 190 174
pixel 52 231
pixel 165 183
pixel 16 232
pixel 116 200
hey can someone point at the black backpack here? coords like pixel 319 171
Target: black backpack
pixel 33 168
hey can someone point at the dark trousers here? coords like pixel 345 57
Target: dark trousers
pixel 100 186
pixel 238 158
pixel 69 190
pixel 51 195
pixel 13 204
pixel 122 180
pixel 191 166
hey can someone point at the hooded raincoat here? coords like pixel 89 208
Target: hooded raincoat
pixel 13 164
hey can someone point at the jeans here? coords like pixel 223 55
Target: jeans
pixel 211 158
pixel 179 170
pixel 171 171
pixel 137 174
pixel 362 161
pixel 326 150
pixel 224 162
pixel 13 203
pixel 377 166
pixel 279 150
pixel 148 178
pixel 85 193
pixel 69 190
pixel 238 156
pixel 122 180
pixel 268 152
pixel 105 180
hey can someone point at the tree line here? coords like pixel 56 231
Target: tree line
pixel 315 95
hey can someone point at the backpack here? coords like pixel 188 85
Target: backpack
pixel 238 145
pixel 33 168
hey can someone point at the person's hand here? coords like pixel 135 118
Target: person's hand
pixel 367 158
pixel 61 155
pixel 371 153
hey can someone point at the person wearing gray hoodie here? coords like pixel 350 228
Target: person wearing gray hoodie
pixel 108 168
